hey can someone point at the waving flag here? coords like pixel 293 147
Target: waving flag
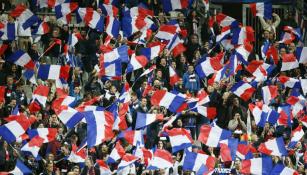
pixel 33 146
pixel 21 168
pixel 8 31
pixel 63 11
pixel 99 127
pixel 296 136
pixel 260 70
pixel 73 39
pixel 14 129
pixel 70 117
pixel 209 112
pixel 127 160
pixel 136 62
pixel 283 170
pixel 179 138
pixel 22 58
pixel 223 20
pixel 269 93
pixel 47 134
pixel 274 147
pixel 208 67
pixel 143 119
pixel 242 35
pixel 108 10
pixel 257 166
pixel 25 17
pixel 166 99
pixel 289 62
pixel 211 136
pixel 77 156
pixel 103 167
pixel 193 161
pixel 286 116
pixel 228 149
pixel 261 116
pixel 174 78
pixel 263 9
pixel 176 46
pixel 3 48
pixel 112 26
pixel 243 151
pixel 91 18
pixel 162 159
pixel 171 5
pixel 243 90
pixel 144 154
pixel 301 54
pixel 53 72
pixel 40 94
pixel 120 53
pixel 117 153
pixel 41 29
pixel 133 137
pixel 244 51
pixel 151 52
pixel 166 32
pixel 289 82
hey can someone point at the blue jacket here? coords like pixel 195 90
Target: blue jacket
pixel 191 81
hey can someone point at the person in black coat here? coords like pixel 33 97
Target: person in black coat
pixel 7 158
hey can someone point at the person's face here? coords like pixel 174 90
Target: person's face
pixel 179 123
pixel 50 167
pixel 210 89
pixel 236 102
pixel 180 81
pixel 191 69
pixel 237 116
pixel 34 47
pixel 292 47
pixel 225 95
pixel 282 51
pixel 144 102
pixel 182 59
pixel 13 103
pixel 144 84
pixel 161 16
pixel 160 145
pixel 55 33
pixel 269 21
pixel 10 80
pixel 266 34
pixel 113 89
pixel 159 74
pixel 163 62
pixel 194 39
pixel 173 65
pixel 77 90
pixel 76 170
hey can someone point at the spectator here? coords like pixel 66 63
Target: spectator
pixel 191 80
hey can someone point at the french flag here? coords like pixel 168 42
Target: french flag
pixel 228 149
pixel 3 48
pixel 304 85
pixel 166 99
pixel 174 78
pixel 109 10
pixel 91 18
pixel 244 51
pixel 77 156
pixel 25 16
pixel 257 166
pixel 194 161
pixel 2 93
pixel 223 20
pixel 53 72
pixel 243 151
pixel 269 93
pixel 41 29
pixel 73 39
pixel 49 3
pixel 47 134
pixel 263 9
pixel 133 137
pixel 117 153
pixel 212 135
pixel 103 167
pixel 301 54
pixel 63 11
pixel 70 117
pixel 287 38
pixel 166 32
pixel 112 70
pixel 144 119
pixel 136 62
pixel 14 129
pixel 289 82
pixel 179 138
pixel 274 147
pixel 144 154
pixel 243 90
pixel 21 168
pixel 260 116
pixel 162 159
pixel 151 52
pixel 289 62
pixel 22 58
pixel 285 115
pixel 297 104
pixel 112 26
pixel 9 31
pixel 209 112
pixel 176 46
pixel 170 5
pixel 63 101
pixel 99 127
pixel 40 94
pixel 208 67
pixel 296 136
pixel 33 146
pixel 120 53
pixel 260 70
pixel 127 160
pixel 281 169
pixel 242 35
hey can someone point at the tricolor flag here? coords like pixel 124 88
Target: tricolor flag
pixel 260 70
pixel 162 159
pixel 301 54
pixel 242 35
pixel 8 31
pixel 174 78
pixel 151 52
pixel 14 129
pixel 223 20
pixel 289 82
pixel 194 161
pixel 257 166
pixel 21 168
pixel 33 146
pixel 269 93
pixel 117 153
pixel 166 32
pixel 244 51
pixel 176 45
pixel 40 94
pixel 108 10
pixel 53 72
pixel 25 17
pixel 209 112
pixel 261 116
pixel 70 116
pixel 228 149
pixel 289 62
pixel 112 26
pixel 263 9
pixel 171 5
pixel 296 135
pixel 243 90
pixel 144 154
pixel 136 62
pixel 103 167
pixel 22 58
pixel 212 135
pixel 63 11
pixel 47 134
pixel 77 156
pixel 243 151
pixel 166 99
pixel 41 28
pixel 120 53
pixel 73 39
pixel 127 160
pixel 144 119
pixel 179 138
pixel 133 137
pixel 91 18
pixel 285 115
pixel 208 67
pixel 273 147
pixel 281 169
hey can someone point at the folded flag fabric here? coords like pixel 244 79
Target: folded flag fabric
pixel 208 66
pixel 151 52
pixel 244 151
pixel 41 28
pixel 47 134
pixel 194 161
pixel 296 135
pixel 40 94
pixel 103 167
pixel 77 156
pixel 120 53
pixel 179 138
pixel 21 168
pixel 144 154
pixel 274 147
pixel 212 135
pixel 14 129
pixel 243 90
pixel 117 153
pixel 176 45
pixel 70 116
pixel 170 5
pixel 257 166
pixel 285 115
pixel 301 54
pixel 209 112
pixel 53 72
pixel 243 35
pixel 63 11
pixel 112 26
pixel 289 62
pixel 162 159
pixel 289 82
pixel 127 160
pixel 269 93
pixel 91 18
pixel 263 9
pixel 166 99
pixel 166 32
pixel 260 70
pixel 136 62
pixel 280 169
pixel 174 78
pixel 99 127
pixel 144 119
pixel 25 17
pixel 244 51
pixel 33 146
pixel 8 31
pixel 133 137
pixel 228 149
pixel 108 10
pixel 22 58
pixel 261 116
